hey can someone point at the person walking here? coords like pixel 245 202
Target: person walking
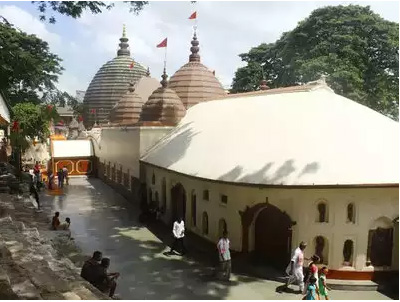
pixel 36 171
pixel 178 232
pixel 322 287
pixel 225 264
pixel 65 171
pixel 60 175
pixel 51 180
pixel 312 290
pixel 34 192
pixel 295 267
pixel 312 271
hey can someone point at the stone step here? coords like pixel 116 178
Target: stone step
pixel 30 267
pixel 355 285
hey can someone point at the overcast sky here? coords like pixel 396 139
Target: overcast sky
pixel 225 29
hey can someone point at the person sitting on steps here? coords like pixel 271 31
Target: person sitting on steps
pixel 65 225
pixel 105 281
pixel 55 223
pixel 90 267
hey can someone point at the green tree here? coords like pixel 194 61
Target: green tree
pixel 30 123
pixel 75 9
pixel 28 70
pixel 353 46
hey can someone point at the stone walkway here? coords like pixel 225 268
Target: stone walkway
pixel 103 220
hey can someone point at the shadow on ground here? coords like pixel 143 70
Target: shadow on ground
pixel 103 220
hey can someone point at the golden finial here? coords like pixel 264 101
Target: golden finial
pixel 123 31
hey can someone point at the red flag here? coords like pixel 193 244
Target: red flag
pixel 15 126
pixel 92 111
pixel 193 16
pixel 163 43
pixel 80 118
pixel 132 64
pixel 49 107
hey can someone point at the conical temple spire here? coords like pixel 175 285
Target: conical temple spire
pixel 123 46
pixel 164 82
pixel 194 57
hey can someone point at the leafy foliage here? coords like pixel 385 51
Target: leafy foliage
pixel 75 9
pixel 28 69
pixel 354 47
pixel 33 123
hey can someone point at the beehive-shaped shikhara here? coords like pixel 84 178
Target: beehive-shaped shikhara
pixel 164 107
pixel 110 83
pixel 127 110
pixel 194 82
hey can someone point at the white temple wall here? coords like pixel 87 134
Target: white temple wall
pixel 123 146
pixel 120 146
pixel 300 204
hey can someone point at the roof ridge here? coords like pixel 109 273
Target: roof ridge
pixel 278 90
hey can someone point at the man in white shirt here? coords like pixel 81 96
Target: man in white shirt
pixel 295 267
pixel 224 257
pixel 178 231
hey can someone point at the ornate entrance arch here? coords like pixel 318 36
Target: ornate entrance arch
pixel 273 236
pixel 272 233
pixel 178 202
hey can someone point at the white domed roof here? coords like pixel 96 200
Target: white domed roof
pixel 304 135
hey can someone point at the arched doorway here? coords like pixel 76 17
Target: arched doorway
pixel 273 237
pixel 178 202
pixel 380 242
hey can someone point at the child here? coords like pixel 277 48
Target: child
pixel 311 272
pixel 65 226
pixel 55 223
pixel 323 289
pixel 312 291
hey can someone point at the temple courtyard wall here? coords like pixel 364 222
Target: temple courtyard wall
pixel 211 206
pixel 117 153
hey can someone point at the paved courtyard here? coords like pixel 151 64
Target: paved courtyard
pixel 103 220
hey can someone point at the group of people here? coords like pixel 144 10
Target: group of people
pixel 313 284
pixel 95 271
pixel 56 225
pixel 223 246
pixel 62 175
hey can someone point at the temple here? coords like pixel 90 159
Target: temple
pixel 274 167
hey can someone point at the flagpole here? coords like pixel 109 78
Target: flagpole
pixel 195 23
pixel 195 20
pixel 165 58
